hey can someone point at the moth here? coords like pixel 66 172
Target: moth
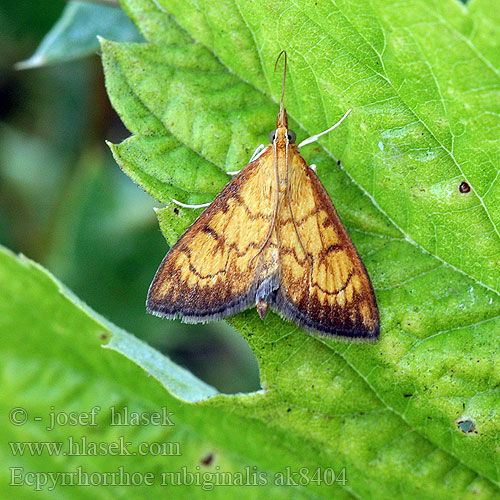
pixel 270 239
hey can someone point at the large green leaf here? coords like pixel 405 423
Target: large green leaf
pixel 59 366
pixel 417 414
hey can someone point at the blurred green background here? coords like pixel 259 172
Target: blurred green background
pixel 66 204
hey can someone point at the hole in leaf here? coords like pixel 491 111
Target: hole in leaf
pixel 467 425
pixel 215 353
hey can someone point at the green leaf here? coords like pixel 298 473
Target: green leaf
pixel 75 34
pixel 269 430
pixel 423 81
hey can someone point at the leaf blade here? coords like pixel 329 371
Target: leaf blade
pixel 413 266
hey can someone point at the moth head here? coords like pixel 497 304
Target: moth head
pixel 289 133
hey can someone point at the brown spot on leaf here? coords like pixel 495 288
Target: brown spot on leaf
pixel 207 460
pixel 464 187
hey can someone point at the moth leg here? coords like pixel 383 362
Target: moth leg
pixel 202 205
pixel 314 138
pixel 258 151
pixel 313 167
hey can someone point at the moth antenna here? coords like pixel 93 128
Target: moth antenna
pixel 281 115
pixel 281 120
pixel 293 216
pixel 314 138
pixel 275 212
